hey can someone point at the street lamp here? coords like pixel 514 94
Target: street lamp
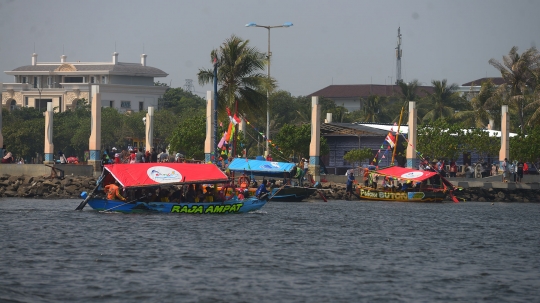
pixel 268 27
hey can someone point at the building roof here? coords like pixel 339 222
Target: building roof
pixel 364 90
pixel 121 68
pixel 340 129
pixel 478 82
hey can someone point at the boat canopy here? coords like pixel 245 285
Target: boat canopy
pixel 149 174
pixel 406 173
pixel 260 167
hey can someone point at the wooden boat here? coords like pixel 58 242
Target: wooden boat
pixel 140 177
pixel 422 186
pixel 272 170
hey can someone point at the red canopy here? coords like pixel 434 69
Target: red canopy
pixel 406 173
pixel 145 174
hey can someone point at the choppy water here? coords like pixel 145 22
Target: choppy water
pixel 340 251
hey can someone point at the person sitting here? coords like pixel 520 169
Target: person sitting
pixel 243 181
pixel 191 196
pixel 163 195
pixel 8 158
pixel 113 191
pixel 262 191
pixel 208 196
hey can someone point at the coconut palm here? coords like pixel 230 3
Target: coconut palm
pixel 239 77
pixel 409 90
pixel 479 116
pixel 516 70
pixel 372 109
pixel 442 102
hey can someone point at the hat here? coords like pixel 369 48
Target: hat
pixel 117 155
pixel 114 148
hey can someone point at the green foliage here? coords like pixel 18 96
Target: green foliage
pixel 440 140
pixel 182 103
pixel 295 140
pixel 526 147
pixel 189 137
pixel 478 141
pixel 358 155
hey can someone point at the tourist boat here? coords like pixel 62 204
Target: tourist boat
pixel 423 186
pixel 142 177
pixel 272 170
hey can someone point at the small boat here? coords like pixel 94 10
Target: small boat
pixel 272 170
pixel 421 186
pixel 142 177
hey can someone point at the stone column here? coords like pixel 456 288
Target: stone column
pixel 412 161
pixel 505 136
pixel 150 128
pixel 49 146
pixel 209 148
pixel 315 145
pixel 1 137
pixel 95 128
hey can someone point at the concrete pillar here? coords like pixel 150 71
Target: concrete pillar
pixel 315 145
pixel 242 125
pixel 149 123
pixel 49 146
pixel 412 161
pixel 209 148
pixel 505 135
pixel 1 137
pixel 95 128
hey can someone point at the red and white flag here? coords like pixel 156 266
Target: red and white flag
pixel 391 139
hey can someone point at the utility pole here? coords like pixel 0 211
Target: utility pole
pixel 399 54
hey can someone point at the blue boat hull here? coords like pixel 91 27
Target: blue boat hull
pixel 291 194
pixel 228 207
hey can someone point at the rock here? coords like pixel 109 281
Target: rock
pixel 501 195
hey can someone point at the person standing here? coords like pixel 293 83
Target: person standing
pixel 506 170
pixel 164 156
pixel 350 181
pixel 520 171
pixel 453 169
pixel 153 156
pixel 139 156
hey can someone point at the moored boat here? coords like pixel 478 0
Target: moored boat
pixel 274 170
pixel 143 180
pixel 414 186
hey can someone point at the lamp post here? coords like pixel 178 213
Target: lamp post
pixel 268 27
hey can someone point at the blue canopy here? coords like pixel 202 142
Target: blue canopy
pixel 260 168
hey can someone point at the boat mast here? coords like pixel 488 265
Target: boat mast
pixel 397 136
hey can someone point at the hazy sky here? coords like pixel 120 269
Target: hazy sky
pixel 331 42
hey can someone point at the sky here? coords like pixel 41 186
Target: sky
pixel 331 42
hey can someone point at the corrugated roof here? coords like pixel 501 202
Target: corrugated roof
pixel 121 68
pixel 478 82
pixel 364 90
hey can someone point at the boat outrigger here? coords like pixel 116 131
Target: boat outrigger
pixel 271 169
pixel 168 179
pixel 405 185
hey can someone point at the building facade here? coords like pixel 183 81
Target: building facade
pixel 124 86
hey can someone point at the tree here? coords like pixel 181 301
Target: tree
pixel 372 109
pixel 479 141
pixel 295 140
pixel 440 104
pixel 440 140
pixel 517 72
pixel 239 77
pixel 358 155
pixel 479 116
pixel 526 147
pixel 189 137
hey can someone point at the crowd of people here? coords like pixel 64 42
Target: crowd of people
pixel 137 155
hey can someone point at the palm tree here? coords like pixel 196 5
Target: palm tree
pixel 479 116
pixel 441 103
pixel 239 77
pixel 516 70
pixel 409 90
pixel 371 109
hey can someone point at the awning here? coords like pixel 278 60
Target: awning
pixel 260 168
pixel 147 174
pixel 406 173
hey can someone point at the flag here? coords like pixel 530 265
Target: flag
pixel 391 139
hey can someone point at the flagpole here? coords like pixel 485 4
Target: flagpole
pixel 397 137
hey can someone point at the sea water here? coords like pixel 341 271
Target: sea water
pixel 340 251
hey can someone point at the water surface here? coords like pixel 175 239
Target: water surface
pixel 340 251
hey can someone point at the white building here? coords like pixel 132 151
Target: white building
pixel 124 86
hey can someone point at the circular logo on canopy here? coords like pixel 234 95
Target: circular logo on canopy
pixel 163 174
pixel 412 175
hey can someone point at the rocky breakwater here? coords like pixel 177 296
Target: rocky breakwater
pixel 45 188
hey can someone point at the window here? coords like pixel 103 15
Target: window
pixel 111 103
pixel 141 105
pixel 73 79
pixel 13 105
pixel 24 79
pixel 93 80
pixel 49 82
pixel 103 79
pixel 36 82
pixel 25 101
pixel 125 104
